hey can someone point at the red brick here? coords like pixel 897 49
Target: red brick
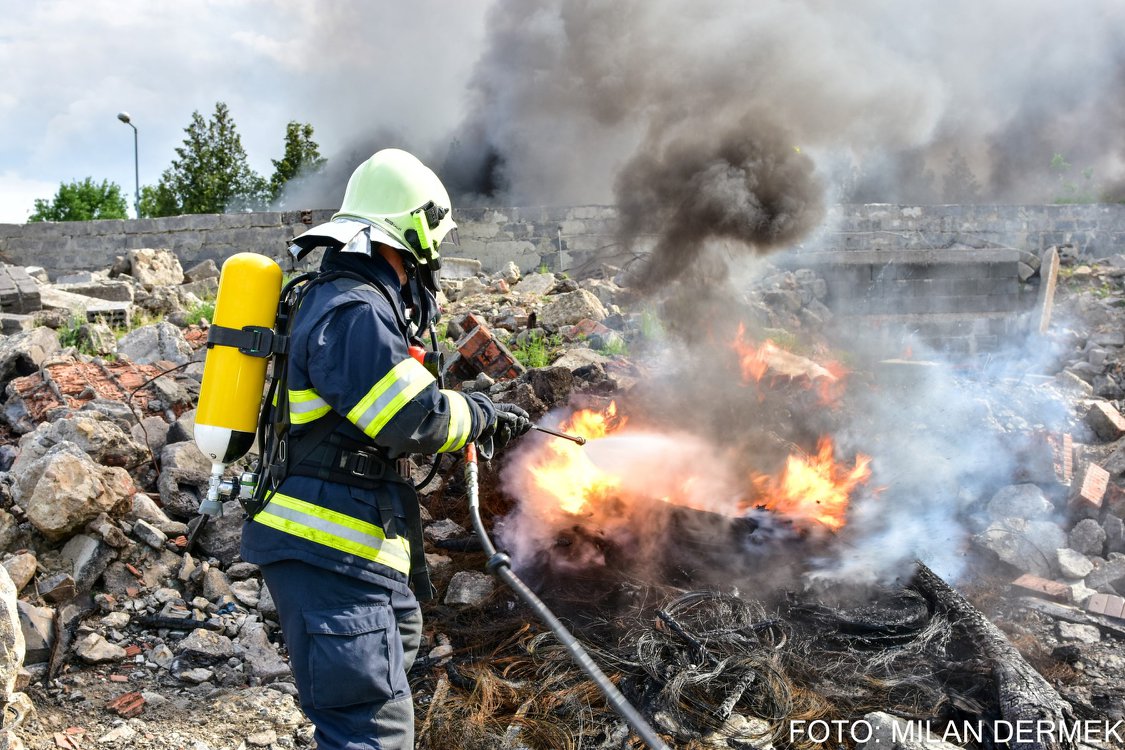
pixel 1064 458
pixel 127 705
pixel 1042 587
pixel 480 351
pixel 1108 605
pixel 1089 486
pixel 471 321
pixel 1106 422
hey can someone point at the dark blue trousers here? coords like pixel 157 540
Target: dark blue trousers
pixel 351 643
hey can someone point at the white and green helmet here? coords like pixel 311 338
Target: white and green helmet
pixel 400 202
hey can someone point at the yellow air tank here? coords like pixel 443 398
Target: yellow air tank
pixel 230 395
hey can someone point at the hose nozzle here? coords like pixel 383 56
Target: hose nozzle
pixel 572 438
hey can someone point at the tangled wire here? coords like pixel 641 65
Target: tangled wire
pixel 714 670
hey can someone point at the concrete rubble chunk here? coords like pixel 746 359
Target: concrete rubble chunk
pixel 570 308
pixel 1026 545
pixel 183 479
pixel 99 437
pixel 1114 528
pixel 205 647
pixel 469 588
pixel 510 273
pixel 536 283
pixel 22 353
pixel 206 269
pixel 1106 421
pixel 97 338
pixel 155 267
pixel 64 490
pixel 57 588
pixel 444 529
pixel 95 649
pixel 1071 631
pixel 216 585
pixel 21 569
pixel 1025 501
pixel 38 627
pixel 104 289
pixel 248 592
pixel 149 534
pixel 221 538
pixel 1087 537
pixel 19 293
pixel 1073 564
pixel 459 268
pixel 261 656
pixel 12 646
pixel 162 342
pixel 88 557
pixel 1108 576
pixel 576 359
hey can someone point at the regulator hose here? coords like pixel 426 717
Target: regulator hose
pixel 500 565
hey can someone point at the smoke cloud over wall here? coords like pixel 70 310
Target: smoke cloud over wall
pixel 893 107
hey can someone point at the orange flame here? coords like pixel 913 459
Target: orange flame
pixel 566 473
pixel 813 489
pixel 756 360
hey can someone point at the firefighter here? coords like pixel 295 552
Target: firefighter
pixel 339 543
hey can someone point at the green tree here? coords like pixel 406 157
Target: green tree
pixel 210 174
pixel 302 156
pixel 82 201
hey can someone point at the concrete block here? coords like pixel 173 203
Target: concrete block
pixel 1042 587
pixel 1108 605
pixel 1106 421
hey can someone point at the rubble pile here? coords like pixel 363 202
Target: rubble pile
pixel 118 634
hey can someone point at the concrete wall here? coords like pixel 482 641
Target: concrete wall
pixel 530 236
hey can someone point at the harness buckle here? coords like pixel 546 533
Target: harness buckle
pixel 359 464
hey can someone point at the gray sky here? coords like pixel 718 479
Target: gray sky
pixel 67 67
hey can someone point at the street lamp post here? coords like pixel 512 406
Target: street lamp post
pixel 124 117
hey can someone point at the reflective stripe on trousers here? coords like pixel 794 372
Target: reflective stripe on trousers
pixel 335 530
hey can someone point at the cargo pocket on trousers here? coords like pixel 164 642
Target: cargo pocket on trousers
pixel 355 656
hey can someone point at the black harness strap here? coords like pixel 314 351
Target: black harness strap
pixel 255 341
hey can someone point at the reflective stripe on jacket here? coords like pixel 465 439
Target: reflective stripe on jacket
pixel 348 354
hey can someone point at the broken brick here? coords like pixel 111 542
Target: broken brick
pixel 133 569
pixel 1108 605
pixel 1063 451
pixel 1089 487
pixel 1042 587
pixel 1106 422
pixel 127 705
pixel 479 351
pixel 118 678
pixel 132 650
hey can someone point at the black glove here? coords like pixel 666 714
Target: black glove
pixel 511 422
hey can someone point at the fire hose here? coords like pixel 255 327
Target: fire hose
pixel 500 565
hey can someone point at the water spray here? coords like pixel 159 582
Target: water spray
pixel 500 565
